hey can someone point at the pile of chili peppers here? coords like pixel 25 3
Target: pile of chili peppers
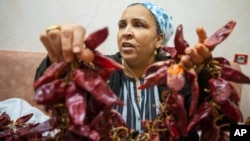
pixel 11 130
pixel 80 102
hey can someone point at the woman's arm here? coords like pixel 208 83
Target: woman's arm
pixel 42 67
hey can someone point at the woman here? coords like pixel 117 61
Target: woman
pixel 143 29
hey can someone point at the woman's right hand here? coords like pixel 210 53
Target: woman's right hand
pixel 64 42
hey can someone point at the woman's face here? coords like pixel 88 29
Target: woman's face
pixel 137 37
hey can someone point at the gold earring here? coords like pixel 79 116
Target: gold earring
pixel 155 52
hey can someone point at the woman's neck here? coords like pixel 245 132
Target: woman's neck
pixel 134 70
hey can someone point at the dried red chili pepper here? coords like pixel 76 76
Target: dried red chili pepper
pixel 221 61
pixel 157 78
pixel 51 92
pixel 105 72
pixel 103 61
pixel 117 120
pixel 47 125
pixel 234 96
pixel 24 119
pixel 96 38
pixel 4 119
pixel 95 85
pixel 171 50
pixel 175 77
pixel 220 35
pixel 180 43
pixel 203 112
pixel 231 110
pixel 191 79
pixel 76 104
pixel 227 72
pixel 176 107
pixel 209 131
pixel 222 89
pixel 219 89
pixel 153 68
pixel 53 72
pixel 24 129
pixel 102 122
pixel 172 127
pixel 83 131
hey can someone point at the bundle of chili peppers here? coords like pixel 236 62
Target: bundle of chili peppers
pixel 206 113
pixel 80 102
pixel 78 98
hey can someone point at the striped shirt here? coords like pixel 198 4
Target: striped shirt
pixel 139 104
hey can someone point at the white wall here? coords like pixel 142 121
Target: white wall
pixel 21 22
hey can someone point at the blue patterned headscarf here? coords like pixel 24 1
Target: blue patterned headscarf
pixel 164 20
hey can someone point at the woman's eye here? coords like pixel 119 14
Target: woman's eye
pixel 138 25
pixel 122 25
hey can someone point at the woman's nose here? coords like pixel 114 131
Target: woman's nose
pixel 128 33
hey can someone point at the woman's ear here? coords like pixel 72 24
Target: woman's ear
pixel 159 40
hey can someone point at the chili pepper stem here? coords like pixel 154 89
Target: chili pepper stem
pixel 63 120
pixel 145 137
pixel 154 126
pixel 117 130
pixel 73 65
pixel 224 125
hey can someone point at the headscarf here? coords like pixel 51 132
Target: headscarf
pixel 164 20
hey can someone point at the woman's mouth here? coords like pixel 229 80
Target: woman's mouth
pixel 127 45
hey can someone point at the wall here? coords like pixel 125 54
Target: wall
pixel 21 22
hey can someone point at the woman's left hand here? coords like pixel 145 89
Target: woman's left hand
pixel 198 54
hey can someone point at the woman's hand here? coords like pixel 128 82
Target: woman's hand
pixel 197 55
pixel 64 42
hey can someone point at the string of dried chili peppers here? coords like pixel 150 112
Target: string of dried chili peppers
pixel 78 97
pixel 219 102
